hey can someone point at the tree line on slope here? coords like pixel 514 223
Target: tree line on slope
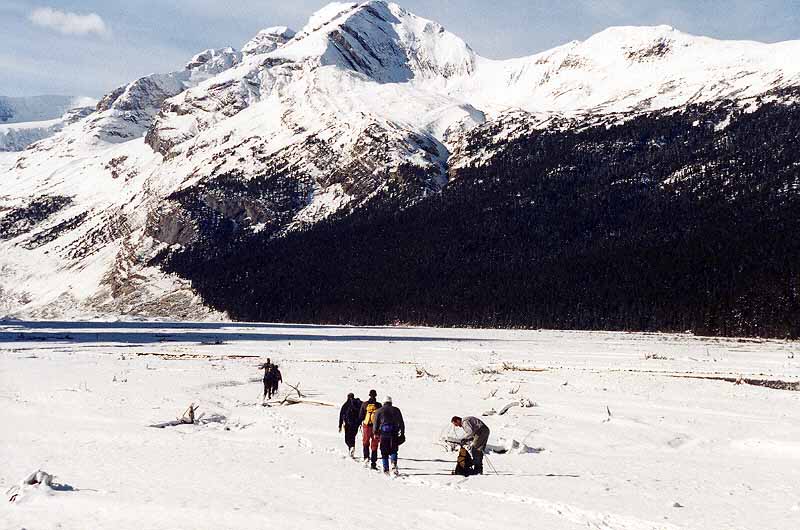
pixel 667 222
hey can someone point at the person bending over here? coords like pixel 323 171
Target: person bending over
pixel 477 433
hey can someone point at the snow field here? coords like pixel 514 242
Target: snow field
pixel 77 400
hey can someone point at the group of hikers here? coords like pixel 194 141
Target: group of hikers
pixel 272 377
pixel 382 426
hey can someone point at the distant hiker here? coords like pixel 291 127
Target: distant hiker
pixel 369 438
pixel 267 366
pixel 389 425
pixel 477 434
pixel 275 378
pixel 349 418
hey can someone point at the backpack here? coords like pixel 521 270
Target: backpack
pixel 388 429
pixel 351 414
pixel 463 463
pixel 369 417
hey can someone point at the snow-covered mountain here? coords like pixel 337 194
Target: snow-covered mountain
pixel 366 100
pixel 17 136
pixel 27 120
pixel 39 108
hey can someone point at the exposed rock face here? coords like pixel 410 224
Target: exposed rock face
pixel 128 111
pixel 21 220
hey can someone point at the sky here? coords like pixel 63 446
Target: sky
pixel 88 47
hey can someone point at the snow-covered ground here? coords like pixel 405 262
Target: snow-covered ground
pixel 7 160
pixel 77 400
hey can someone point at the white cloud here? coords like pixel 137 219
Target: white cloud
pixel 69 23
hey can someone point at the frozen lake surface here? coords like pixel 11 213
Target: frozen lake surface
pixel 683 445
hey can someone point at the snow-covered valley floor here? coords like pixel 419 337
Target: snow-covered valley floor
pixel 77 399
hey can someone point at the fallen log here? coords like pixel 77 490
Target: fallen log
pixel 294 401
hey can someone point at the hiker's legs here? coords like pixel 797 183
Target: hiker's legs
pixel 478 447
pixel 373 446
pixel 386 451
pixel 393 453
pixel 477 460
pixel 350 435
pixel 266 390
pixel 366 439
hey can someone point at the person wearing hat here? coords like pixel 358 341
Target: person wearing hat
pixel 369 439
pixel 392 430
pixel 349 419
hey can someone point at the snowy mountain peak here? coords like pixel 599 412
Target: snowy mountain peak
pixel 636 43
pixel 633 33
pixel 268 40
pixel 127 112
pixel 213 61
pixel 382 41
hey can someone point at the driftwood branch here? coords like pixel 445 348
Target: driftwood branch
pixel 422 372
pixel 294 401
pixel 189 415
pixel 505 409
pixel 296 388
pixel 188 418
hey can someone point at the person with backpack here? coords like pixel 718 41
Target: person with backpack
pixel 392 430
pixel 477 433
pixel 268 379
pixel 349 418
pixel 369 439
pixel 275 378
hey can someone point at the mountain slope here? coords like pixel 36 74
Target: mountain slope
pixel 368 108
pixel 624 69
pixel 666 222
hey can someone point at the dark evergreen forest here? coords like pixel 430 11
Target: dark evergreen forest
pixel 665 222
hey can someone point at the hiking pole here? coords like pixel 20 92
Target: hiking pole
pixel 490 464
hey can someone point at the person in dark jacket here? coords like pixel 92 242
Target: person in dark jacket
pixel 477 433
pixel 267 366
pixel 392 430
pixel 275 378
pixel 370 439
pixel 349 419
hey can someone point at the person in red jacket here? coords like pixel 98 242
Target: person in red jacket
pixel 369 441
